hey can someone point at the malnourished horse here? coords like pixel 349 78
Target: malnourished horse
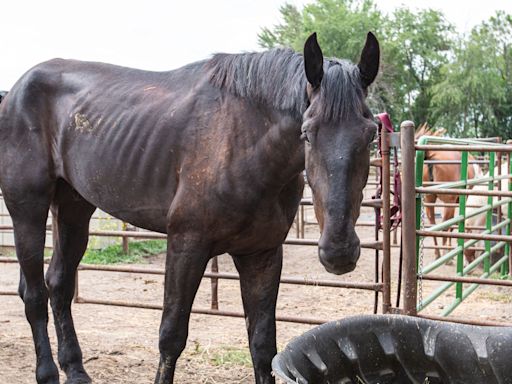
pixel 211 154
pixel 442 173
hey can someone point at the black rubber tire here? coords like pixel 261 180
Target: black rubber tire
pixel 389 349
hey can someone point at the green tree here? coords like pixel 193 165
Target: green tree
pixel 475 96
pixel 413 46
pixel 417 44
pixel 286 34
pixel 341 25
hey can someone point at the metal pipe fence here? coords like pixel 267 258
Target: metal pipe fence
pixel 381 286
pixel 417 271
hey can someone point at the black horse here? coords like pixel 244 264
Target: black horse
pixel 211 154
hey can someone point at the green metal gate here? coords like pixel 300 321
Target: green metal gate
pixel 416 271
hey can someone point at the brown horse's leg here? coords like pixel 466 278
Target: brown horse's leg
pixel 187 257
pixel 71 215
pixel 431 215
pixel 259 282
pixel 448 214
pixel 28 206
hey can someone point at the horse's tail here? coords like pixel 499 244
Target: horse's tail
pixel 2 95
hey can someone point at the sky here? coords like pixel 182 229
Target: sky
pixel 162 34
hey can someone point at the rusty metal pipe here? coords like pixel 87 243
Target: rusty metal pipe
pixel 408 217
pixel 8 293
pixel 372 203
pixel 234 276
pixel 215 284
pixel 386 240
pixel 203 311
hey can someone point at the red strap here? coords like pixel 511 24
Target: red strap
pixel 385 121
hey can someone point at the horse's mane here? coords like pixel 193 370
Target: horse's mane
pixel 425 130
pixel 277 78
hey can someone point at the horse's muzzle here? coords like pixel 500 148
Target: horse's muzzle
pixel 340 258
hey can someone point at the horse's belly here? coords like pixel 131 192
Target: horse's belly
pixel 141 198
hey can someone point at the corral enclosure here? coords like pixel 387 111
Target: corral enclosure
pixel 120 344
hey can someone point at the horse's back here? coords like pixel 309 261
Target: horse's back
pixel 128 140
pixel 152 149
pixel 104 129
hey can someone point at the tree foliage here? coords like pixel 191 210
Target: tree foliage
pixel 341 26
pixel 417 46
pixel 428 72
pixel 474 97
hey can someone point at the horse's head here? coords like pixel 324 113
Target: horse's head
pixel 338 128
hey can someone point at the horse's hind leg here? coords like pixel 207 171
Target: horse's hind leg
pixel 71 215
pixel 448 213
pixel 431 215
pixel 28 204
pixel 259 283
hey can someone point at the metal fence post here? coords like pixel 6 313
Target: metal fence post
pixel 215 284
pixel 386 259
pixel 125 244
pixel 462 224
pixel 508 248
pixel 408 217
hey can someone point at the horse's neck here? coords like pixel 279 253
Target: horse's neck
pixel 282 150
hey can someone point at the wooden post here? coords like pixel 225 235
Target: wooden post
pixel 408 217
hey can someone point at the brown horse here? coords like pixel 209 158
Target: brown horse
pixel 442 173
pixel 212 154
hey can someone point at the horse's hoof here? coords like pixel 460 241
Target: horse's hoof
pixel 47 374
pixel 81 380
pixel 78 378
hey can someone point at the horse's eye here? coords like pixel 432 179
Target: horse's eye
pixel 304 136
pixel 372 138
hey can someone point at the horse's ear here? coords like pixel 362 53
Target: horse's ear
pixel 313 61
pixel 369 62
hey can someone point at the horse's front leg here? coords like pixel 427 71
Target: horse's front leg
pixel 187 257
pixel 259 282
pixel 431 215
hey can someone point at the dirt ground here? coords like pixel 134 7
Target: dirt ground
pixel 120 345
